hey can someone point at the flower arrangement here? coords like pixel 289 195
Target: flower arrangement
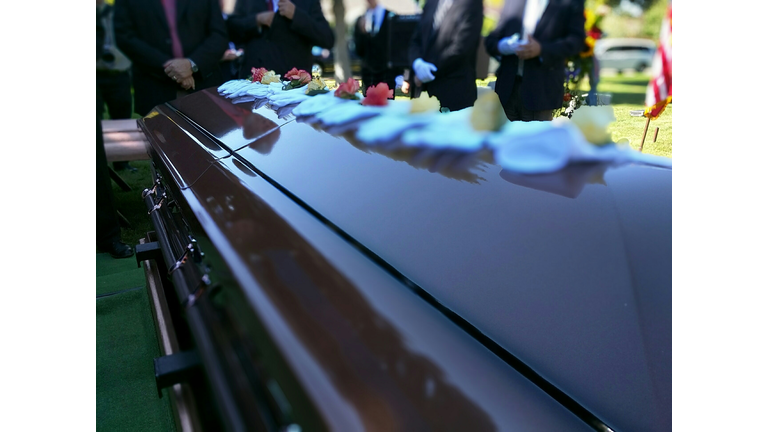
pixel 316 86
pixel 378 95
pixel 348 90
pixel 581 65
pixel 297 78
pixel 263 76
pixel 257 74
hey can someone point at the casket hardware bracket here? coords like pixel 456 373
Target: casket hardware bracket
pixel 175 368
pixel 204 287
pixel 148 192
pixel 183 259
pixel 148 251
pixel 158 205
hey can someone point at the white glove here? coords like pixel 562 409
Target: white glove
pixel 424 70
pixel 508 45
pixel 287 97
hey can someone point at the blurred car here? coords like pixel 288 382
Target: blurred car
pixel 314 282
pixel 625 53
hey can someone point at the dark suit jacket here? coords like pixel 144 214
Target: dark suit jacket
pixel 452 49
pixel 286 44
pixel 141 32
pixel 561 34
pixel 373 51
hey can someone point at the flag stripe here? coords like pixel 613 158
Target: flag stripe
pixel 660 85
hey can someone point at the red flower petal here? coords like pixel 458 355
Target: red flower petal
pixel 348 89
pixel 292 74
pixel 257 74
pixel 378 95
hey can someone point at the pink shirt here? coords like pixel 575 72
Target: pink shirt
pixel 170 15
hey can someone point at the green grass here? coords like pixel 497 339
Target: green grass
pixel 126 344
pixel 628 94
pixel 131 205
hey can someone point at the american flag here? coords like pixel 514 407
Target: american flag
pixel 659 92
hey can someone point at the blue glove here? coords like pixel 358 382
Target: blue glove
pixel 424 70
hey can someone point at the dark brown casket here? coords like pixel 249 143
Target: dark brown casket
pixel 328 285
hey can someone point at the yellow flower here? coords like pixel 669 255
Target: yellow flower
pixel 317 83
pixel 593 122
pixel 488 114
pixel 590 43
pixel 589 19
pixel 270 77
pixel 425 103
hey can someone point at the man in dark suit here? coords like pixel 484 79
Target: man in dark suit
pixel 171 57
pixel 372 46
pixel 279 34
pixel 532 42
pixel 443 51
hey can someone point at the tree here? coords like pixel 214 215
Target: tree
pixel 341 64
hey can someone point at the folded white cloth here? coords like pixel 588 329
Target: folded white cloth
pixel 424 70
pixel 545 147
pixel 392 123
pixel 449 131
pixel 347 112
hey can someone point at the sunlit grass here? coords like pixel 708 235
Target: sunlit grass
pixel 628 94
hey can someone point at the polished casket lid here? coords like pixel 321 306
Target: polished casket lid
pixel 568 272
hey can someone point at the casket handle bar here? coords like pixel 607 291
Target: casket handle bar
pixel 206 348
pixel 204 287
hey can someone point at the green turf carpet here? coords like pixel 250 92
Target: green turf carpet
pixel 126 344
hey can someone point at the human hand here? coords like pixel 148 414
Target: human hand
pixel 508 44
pixel 286 8
pixel 178 69
pixel 424 70
pixel 406 87
pixel 529 50
pixel 264 19
pixel 188 83
pixel 229 55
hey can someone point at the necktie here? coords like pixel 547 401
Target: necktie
pixel 170 15
pixel 442 9
pixel 271 5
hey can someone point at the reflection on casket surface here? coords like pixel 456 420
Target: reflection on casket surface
pixel 394 288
